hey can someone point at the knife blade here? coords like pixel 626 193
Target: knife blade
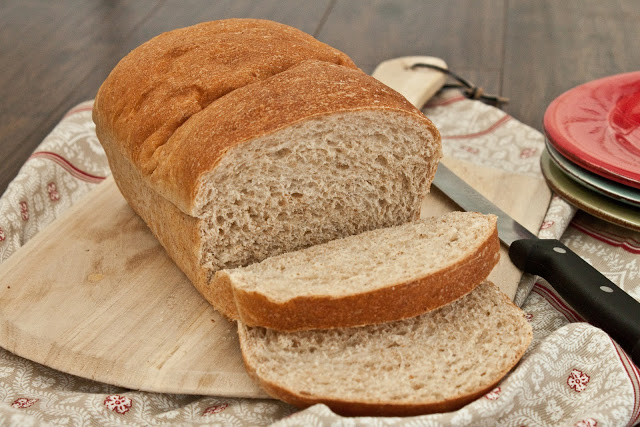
pixel 597 299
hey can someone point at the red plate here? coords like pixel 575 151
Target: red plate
pixel 597 126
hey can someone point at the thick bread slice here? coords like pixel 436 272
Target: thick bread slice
pixel 242 139
pixel 374 277
pixel 436 362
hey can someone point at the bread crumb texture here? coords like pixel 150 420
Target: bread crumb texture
pixel 371 260
pixel 178 102
pixel 438 361
pixel 326 178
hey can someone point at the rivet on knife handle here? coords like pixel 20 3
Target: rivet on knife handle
pixel 595 297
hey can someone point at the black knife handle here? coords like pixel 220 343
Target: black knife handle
pixel 598 300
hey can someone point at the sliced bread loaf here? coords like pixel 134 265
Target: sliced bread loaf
pixel 241 139
pixel 436 362
pixel 374 277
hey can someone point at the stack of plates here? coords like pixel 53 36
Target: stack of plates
pixel 593 148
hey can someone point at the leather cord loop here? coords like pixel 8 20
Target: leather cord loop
pixel 471 91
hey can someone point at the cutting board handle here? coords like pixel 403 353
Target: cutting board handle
pixel 418 85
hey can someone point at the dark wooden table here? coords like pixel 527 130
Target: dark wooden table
pixel 54 54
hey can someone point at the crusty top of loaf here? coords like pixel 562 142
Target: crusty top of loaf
pixel 177 103
pixel 311 89
pixel 163 82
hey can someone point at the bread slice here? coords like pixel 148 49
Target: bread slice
pixel 374 277
pixel 237 140
pixel 436 362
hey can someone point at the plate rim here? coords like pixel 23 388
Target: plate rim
pixel 583 157
pixel 593 181
pixel 576 196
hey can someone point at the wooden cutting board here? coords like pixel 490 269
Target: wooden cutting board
pixel 95 295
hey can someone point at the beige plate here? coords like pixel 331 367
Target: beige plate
pixel 589 201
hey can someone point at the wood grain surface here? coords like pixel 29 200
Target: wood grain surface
pixel 55 54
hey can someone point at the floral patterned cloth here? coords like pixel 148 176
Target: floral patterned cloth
pixel 573 374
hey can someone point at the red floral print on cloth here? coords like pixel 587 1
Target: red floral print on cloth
pixel 546 224
pixel 52 189
pixel 471 150
pixel 23 402
pixel 117 403
pixel 578 380
pixel 24 211
pixel 215 409
pixel 528 152
pixel 493 394
pixel 2 235
pixel 588 422
pixel 528 316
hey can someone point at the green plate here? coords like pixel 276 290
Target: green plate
pixel 589 201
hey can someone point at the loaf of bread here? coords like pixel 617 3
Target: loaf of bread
pixel 242 140
pixel 238 140
pixel 373 277
pixel 436 362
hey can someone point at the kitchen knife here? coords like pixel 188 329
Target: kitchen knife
pixel 598 300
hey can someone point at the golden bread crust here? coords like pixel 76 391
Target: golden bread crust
pixel 400 301
pixel 162 83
